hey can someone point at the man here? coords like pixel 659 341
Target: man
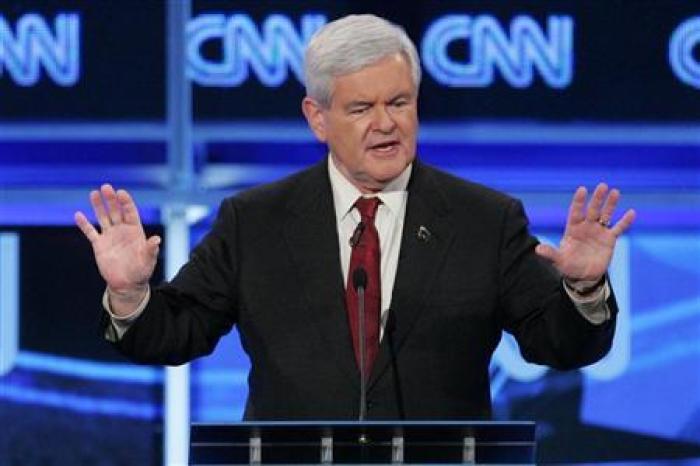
pixel 445 264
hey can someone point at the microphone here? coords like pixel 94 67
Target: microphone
pixel 359 282
pixel 356 235
pixel 359 279
pixel 389 330
pixel 390 325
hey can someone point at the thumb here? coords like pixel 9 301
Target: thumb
pixel 547 252
pixel 153 245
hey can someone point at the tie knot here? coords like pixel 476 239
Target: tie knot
pixel 368 208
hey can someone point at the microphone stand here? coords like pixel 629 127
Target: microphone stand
pixel 361 337
pixel 359 281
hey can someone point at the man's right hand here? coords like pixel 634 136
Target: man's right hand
pixel 124 256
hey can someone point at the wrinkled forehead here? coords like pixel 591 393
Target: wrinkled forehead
pixel 390 75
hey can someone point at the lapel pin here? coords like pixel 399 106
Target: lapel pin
pixel 423 234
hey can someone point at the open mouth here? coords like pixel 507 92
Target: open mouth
pixel 385 147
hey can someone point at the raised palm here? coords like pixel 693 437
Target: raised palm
pixel 588 243
pixel 124 256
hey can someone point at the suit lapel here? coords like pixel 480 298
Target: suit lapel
pixel 312 238
pixel 420 257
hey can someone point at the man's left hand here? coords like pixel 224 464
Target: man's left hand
pixel 587 247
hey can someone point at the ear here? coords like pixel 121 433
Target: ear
pixel 314 117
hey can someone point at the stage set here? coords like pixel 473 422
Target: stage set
pixel 186 102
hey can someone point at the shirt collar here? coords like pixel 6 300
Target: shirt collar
pixel 345 193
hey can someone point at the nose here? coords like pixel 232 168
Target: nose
pixel 383 121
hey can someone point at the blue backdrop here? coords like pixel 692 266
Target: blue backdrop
pixel 532 98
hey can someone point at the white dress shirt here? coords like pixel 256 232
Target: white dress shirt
pixel 388 221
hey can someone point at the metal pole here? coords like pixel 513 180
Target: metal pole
pixel 181 173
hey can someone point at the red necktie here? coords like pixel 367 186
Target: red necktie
pixel 365 253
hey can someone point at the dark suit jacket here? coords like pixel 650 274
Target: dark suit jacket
pixel 271 265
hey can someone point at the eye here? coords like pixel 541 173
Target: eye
pixel 399 103
pixel 358 110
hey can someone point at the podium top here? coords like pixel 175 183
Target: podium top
pixel 368 442
pixel 520 431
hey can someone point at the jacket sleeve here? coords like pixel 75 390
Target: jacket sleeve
pixel 184 319
pixel 537 310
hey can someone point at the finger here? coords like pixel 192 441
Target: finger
pixel 577 203
pixel 624 223
pixel 608 210
pixel 593 212
pixel 547 252
pixel 154 240
pixel 153 244
pixel 128 208
pixel 86 227
pixel 99 209
pixel 113 210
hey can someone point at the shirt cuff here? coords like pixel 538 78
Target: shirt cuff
pixel 593 307
pixel 120 324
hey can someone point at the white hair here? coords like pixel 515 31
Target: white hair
pixel 349 44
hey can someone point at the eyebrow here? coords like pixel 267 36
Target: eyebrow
pixel 402 95
pixel 367 103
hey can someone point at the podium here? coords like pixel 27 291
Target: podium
pixel 374 442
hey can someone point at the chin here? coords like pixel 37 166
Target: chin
pixel 385 169
pixel 382 177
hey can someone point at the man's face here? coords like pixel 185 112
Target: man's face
pixel 371 124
